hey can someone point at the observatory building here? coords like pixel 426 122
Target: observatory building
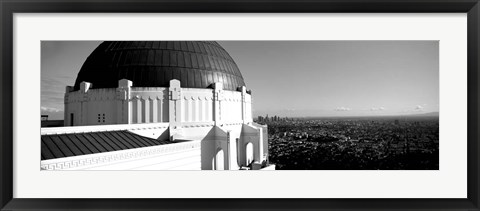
pixel 157 105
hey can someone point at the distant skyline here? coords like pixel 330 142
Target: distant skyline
pixel 296 78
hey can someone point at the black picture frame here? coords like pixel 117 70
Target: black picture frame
pixel 9 7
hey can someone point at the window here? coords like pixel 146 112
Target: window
pixel 101 118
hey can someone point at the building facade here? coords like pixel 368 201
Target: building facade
pixel 185 103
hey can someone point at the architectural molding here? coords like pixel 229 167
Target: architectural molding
pixel 101 128
pixel 216 115
pixel 106 158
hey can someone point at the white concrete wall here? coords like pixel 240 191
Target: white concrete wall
pixel 149 105
pixel 219 119
pixel 249 114
pixel 178 156
pixel 196 131
pixel 197 105
pixel 255 135
pixel 152 132
pixel 86 107
pixel 231 138
pixel 221 138
pixel 133 105
pixel 103 128
pixel 231 106
pixel 264 136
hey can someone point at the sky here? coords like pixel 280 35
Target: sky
pixel 296 78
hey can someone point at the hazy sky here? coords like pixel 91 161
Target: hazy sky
pixel 297 78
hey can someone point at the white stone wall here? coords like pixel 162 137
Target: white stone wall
pixel 248 106
pixel 135 128
pixel 134 105
pixel 148 105
pixel 255 134
pixel 178 156
pixel 231 107
pixel 96 107
pixel 221 120
pixel 196 150
pixel 197 105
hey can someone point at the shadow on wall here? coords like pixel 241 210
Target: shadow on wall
pixel 165 136
pixel 207 149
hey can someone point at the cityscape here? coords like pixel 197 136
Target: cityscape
pixel 408 142
pixel 240 105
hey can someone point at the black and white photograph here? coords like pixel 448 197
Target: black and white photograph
pixel 240 105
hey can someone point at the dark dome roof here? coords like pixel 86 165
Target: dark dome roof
pixel 197 64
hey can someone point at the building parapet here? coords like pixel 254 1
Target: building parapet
pixel 101 128
pixel 108 158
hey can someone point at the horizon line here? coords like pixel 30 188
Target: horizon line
pixel 389 115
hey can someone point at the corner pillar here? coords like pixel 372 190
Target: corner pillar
pixel 175 109
pixel 66 114
pixel 217 107
pixel 244 105
pixel 123 98
pixel 84 87
pixel 260 145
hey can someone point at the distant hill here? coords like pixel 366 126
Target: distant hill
pixel 427 114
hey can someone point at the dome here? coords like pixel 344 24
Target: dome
pixel 197 64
